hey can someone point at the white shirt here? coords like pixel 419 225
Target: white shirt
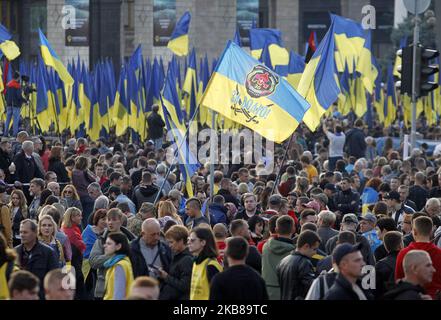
pixel 336 144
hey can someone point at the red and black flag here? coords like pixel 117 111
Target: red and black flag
pixel 312 46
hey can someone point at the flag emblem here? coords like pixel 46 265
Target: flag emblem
pixel 261 82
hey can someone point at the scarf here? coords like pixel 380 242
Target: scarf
pixel 114 260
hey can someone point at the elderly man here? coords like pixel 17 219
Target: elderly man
pixel 433 207
pixel 94 190
pixel 26 167
pixel 148 252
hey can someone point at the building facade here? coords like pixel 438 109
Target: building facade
pixel 114 28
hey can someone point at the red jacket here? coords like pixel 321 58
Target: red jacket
pixel 435 255
pixel 221 245
pixel 74 235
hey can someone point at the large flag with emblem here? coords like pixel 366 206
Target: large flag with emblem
pixel 246 91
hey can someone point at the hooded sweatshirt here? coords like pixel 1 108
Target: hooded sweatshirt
pixel 144 193
pixel 435 255
pixel 274 250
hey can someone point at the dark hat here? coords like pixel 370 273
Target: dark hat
pixel 331 186
pixel 393 195
pixel 343 250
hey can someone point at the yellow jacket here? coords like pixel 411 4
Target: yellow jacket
pixel 110 278
pixel 200 287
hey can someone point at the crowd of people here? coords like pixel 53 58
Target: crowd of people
pixel 335 220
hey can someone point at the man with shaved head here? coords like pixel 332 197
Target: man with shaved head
pixel 418 273
pixel 148 252
pixel 422 229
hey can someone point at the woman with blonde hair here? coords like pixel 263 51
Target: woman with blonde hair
pixel 47 229
pixel 19 212
pixel 71 227
pixel 167 211
pixel 71 197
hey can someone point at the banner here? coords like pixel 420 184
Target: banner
pixel 247 11
pixel 76 18
pixel 164 21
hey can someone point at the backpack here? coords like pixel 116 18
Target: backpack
pixel 321 285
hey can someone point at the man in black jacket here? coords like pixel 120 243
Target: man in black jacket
pixel 25 165
pixel 238 281
pixel 350 265
pixel 385 268
pixel 346 200
pixel 33 255
pixel 148 253
pixel 224 191
pixel 349 223
pixel 355 141
pixel 239 228
pixel 14 101
pixel 146 191
pixel 176 283
pixel 156 127
pixel 418 272
pixel 296 271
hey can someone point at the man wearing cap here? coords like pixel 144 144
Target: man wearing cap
pixel 329 190
pixel 350 223
pixel 347 285
pixel 367 229
pixel 322 200
pixel 396 207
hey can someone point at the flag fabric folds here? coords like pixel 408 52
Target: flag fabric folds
pixel 178 42
pixel 319 82
pixel 8 47
pixel 271 38
pixel 51 59
pixel 246 91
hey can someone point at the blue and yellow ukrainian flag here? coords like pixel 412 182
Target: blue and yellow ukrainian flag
pixel 345 101
pixel 368 197
pixel 295 69
pixel 236 39
pixel 349 41
pixel 178 42
pixel 261 37
pixel 7 46
pixel 174 120
pixel 366 65
pixel 247 92
pixel 91 93
pixel 42 106
pixel 191 84
pixel 122 110
pixel 390 102
pixel 51 59
pixel 319 83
